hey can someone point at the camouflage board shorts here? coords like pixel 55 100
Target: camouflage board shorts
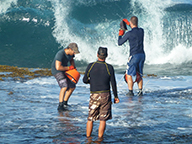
pixel 100 107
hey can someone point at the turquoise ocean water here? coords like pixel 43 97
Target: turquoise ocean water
pixel 32 31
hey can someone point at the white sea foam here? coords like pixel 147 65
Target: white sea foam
pixel 106 33
pixel 184 128
pixel 26 19
pixel 43 81
pixel 34 20
pixel 5 4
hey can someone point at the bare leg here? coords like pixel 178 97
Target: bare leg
pixel 68 94
pixel 89 128
pixel 102 126
pixel 62 93
pixel 140 83
pixel 130 82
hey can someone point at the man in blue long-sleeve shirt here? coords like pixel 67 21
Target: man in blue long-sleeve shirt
pixel 137 55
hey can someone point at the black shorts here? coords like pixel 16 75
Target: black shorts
pixel 63 81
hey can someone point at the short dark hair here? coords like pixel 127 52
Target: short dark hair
pixel 102 52
pixel 134 20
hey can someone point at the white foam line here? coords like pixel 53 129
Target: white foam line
pixel 182 128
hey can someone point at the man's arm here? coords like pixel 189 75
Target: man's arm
pixel 113 82
pixel 72 62
pixel 123 39
pixel 86 78
pixel 114 86
pixel 58 66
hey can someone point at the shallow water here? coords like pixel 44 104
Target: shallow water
pixel 163 115
pixel 31 32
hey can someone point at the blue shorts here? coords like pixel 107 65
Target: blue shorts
pixel 63 81
pixel 135 64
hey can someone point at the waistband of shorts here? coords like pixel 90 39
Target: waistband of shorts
pixel 103 91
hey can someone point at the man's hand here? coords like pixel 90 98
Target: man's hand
pixel 71 67
pixel 116 100
pixel 121 32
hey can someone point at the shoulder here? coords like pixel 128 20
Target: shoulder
pixel 129 32
pixel 60 52
pixel 141 29
pixel 90 64
pixel 89 67
pixel 110 66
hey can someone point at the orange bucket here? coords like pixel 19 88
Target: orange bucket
pixel 125 77
pixel 73 75
pixel 137 79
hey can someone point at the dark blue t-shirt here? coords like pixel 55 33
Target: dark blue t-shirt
pixel 135 37
pixel 63 58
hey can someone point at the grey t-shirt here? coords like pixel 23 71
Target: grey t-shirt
pixel 63 58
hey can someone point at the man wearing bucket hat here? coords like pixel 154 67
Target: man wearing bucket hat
pixel 99 75
pixel 137 55
pixel 58 68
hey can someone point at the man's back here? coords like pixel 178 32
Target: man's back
pixel 136 38
pixel 100 76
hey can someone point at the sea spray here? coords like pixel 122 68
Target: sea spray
pixel 160 40
pixel 31 32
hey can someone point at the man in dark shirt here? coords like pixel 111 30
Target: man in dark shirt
pixel 58 68
pixel 99 75
pixel 137 55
